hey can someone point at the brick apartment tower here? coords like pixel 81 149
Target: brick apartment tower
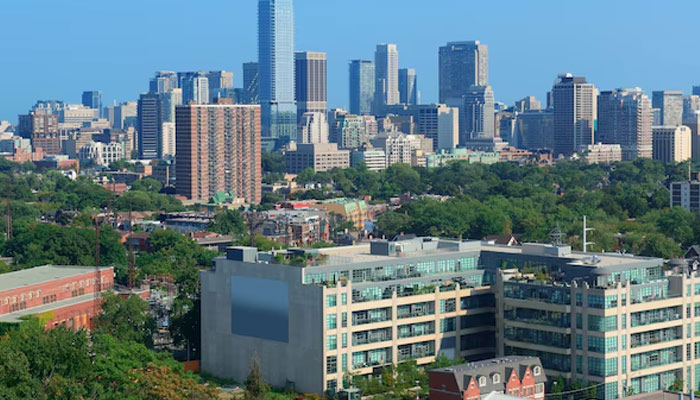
pixel 218 150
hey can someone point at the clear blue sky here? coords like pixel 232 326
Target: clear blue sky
pixel 57 49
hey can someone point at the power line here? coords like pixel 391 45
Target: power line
pixel 574 391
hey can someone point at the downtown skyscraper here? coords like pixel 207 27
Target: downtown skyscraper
pixel 624 118
pixel 386 72
pixel 310 75
pixel 574 113
pixel 461 66
pixel 92 99
pixel 670 105
pixel 408 86
pixel 361 86
pixel 276 68
pixel 478 111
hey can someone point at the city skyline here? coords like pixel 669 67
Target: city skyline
pixel 602 58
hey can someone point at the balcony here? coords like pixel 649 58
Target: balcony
pixel 414 333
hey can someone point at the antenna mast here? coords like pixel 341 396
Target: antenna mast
pixel 585 230
pixel 8 220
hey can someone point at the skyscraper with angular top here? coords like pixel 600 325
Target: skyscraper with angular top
pixel 276 68
pixel 408 86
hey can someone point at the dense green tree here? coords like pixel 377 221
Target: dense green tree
pixel 147 185
pixel 52 244
pixel 126 319
pixel 228 222
pixel 272 162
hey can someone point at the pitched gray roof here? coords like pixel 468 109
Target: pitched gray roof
pixel 488 368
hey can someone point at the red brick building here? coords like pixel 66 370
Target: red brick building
pixel 516 376
pixel 218 150
pixel 63 295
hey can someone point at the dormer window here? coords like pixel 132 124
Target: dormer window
pixel 537 371
pixel 496 378
pixel 482 381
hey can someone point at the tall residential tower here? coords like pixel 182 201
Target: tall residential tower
pixel 386 73
pixel 624 118
pixel 574 113
pixel 276 68
pixel 310 73
pixel 361 86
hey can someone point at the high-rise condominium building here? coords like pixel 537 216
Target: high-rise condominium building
pixel 622 323
pixel 575 110
pixel 624 118
pixel 250 83
pixel 125 115
pixel 439 123
pixel 218 150
pixel 434 121
pixel 361 86
pixel 478 111
pixel 386 72
pixel 351 131
pixel 671 144
pixel 170 100
pixel 42 128
pixel 670 105
pixel 276 68
pixel 195 87
pixel 310 74
pixel 408 86
pixel 462 65
pixel 534 130
pixel 164 81
pixel 528 103
pixel 220 80
pixel 313 128
pixel 93 99
pixel 150 119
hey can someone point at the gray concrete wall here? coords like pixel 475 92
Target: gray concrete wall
pixel 228 355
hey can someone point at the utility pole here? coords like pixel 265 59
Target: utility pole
pixel 97 288
pixel 8 220
pixel 585 230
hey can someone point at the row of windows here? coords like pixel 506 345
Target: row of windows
pixel 77 287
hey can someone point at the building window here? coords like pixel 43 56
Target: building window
pixel 331 321
pixel 331 300
pixel 332 385
pixel 331 342
pixel 496 378
pixel 331 364
pixel 537 371
pixel 343 298
pixel 482 381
